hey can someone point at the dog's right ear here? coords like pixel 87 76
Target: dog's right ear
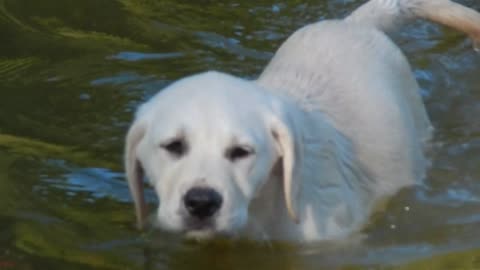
pixel 134 170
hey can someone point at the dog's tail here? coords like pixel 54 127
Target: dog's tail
pixel 388 15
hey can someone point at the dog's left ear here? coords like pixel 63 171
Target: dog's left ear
pixel 289 145
pixel 134 170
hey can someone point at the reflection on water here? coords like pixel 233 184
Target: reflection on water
pixel 72 72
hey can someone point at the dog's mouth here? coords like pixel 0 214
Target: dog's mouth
pixel 202 229
pixel 199 228
pixel 195 224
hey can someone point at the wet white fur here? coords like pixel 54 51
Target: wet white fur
pixel 336 121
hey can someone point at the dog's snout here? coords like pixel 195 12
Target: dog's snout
pixel 202 202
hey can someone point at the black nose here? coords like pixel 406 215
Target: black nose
pixel 202 202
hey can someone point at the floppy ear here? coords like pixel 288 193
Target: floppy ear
pixel 289 147
pixel 135 172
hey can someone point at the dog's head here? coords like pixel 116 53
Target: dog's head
pixel 207 144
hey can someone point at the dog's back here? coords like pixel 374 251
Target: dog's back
pixel 353 73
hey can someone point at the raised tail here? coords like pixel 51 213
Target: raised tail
pixel 388 15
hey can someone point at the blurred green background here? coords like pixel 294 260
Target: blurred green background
pixel 72 73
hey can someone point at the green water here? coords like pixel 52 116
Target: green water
pixel 73 71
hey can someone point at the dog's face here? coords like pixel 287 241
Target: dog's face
pixel 207 144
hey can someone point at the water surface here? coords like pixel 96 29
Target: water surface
pixel 72 72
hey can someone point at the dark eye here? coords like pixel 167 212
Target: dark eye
pixel 176 147
pixel 238 152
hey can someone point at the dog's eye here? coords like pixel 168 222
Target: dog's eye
pixel 176 147
pixel 238 152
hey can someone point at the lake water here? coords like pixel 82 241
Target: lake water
pixel 72 73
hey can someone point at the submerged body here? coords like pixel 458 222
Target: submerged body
pixel 377 109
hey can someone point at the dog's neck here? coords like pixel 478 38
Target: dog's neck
pixel 333 193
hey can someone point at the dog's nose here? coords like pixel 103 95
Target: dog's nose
pixel 202 202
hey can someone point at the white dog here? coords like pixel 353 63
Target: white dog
pixel 334 123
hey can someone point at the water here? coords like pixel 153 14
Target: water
pixel 72 72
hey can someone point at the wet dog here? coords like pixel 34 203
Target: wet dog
pixel 333 124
